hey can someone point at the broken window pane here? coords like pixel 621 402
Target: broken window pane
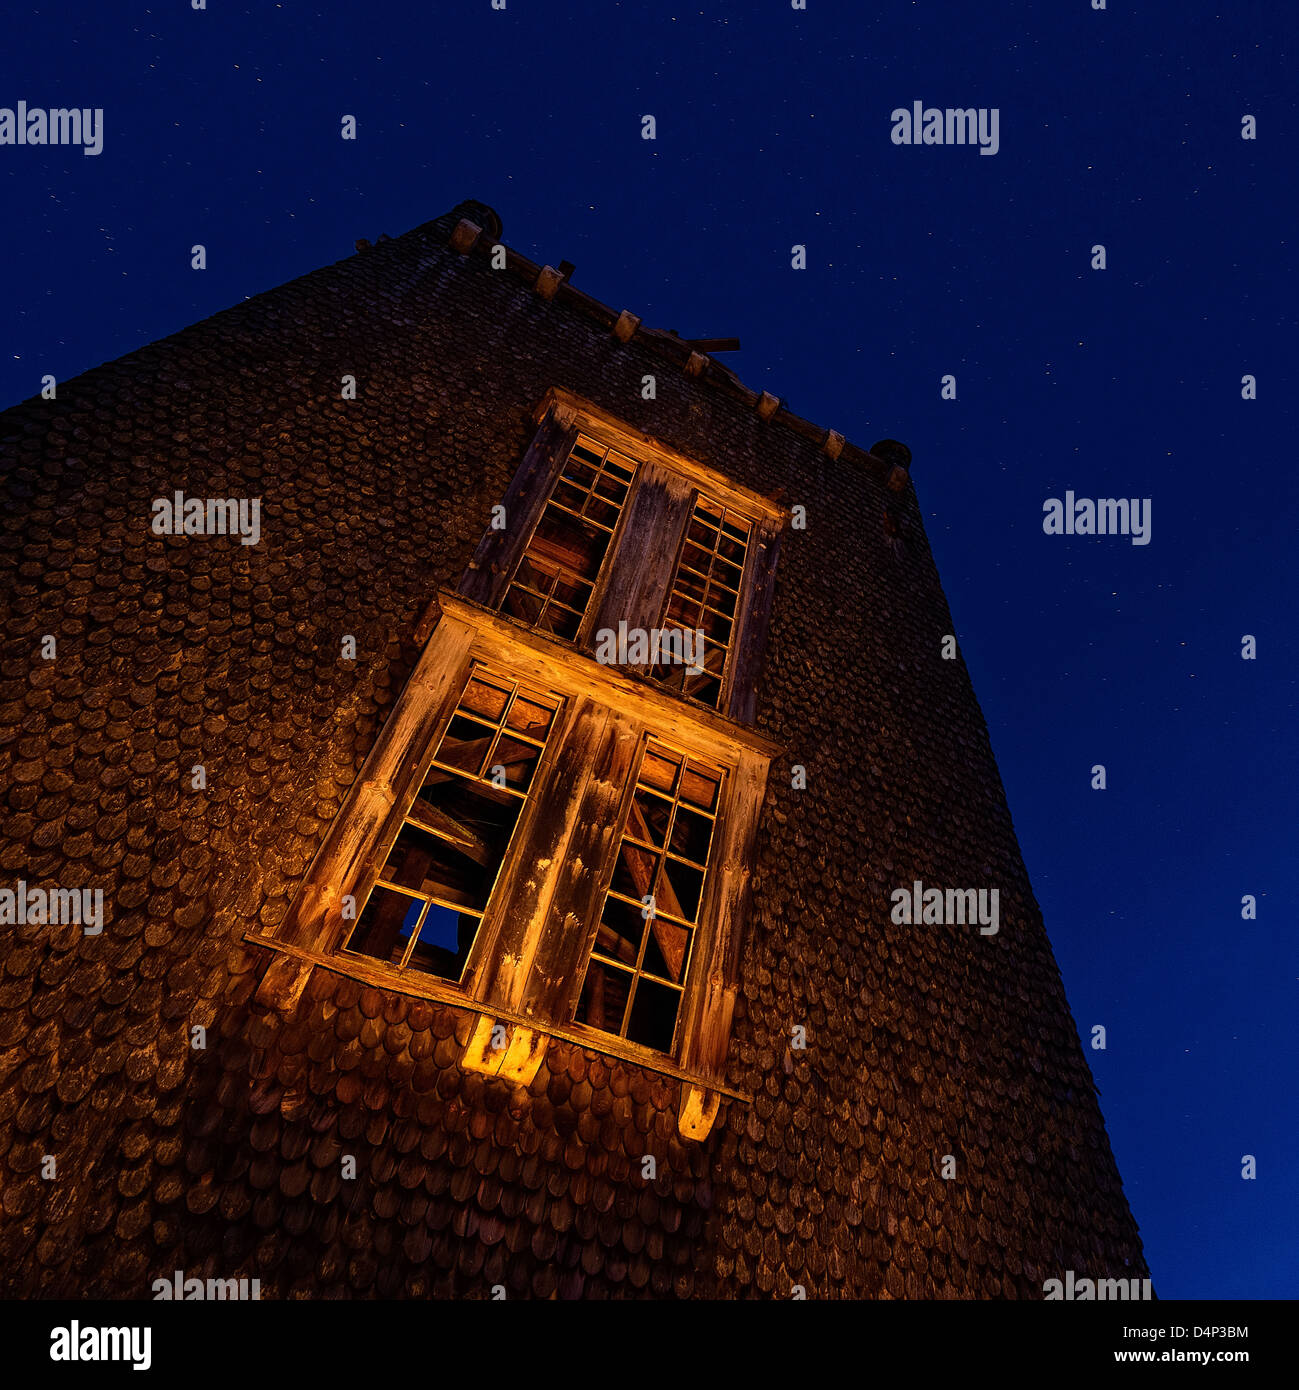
pixel 439 872
pixel 704 595
pixel 555 578
pixel 641 955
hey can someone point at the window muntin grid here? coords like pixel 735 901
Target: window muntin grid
pixel 556 575
pixel 705 595
pixel 439 873
pixel 637 970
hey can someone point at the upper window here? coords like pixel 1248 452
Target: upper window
pixel 556 574
pixel 705 597
pixel 619 545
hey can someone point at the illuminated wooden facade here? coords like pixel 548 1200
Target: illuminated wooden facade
pixel 473 963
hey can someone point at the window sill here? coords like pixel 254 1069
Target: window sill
pixel 444 992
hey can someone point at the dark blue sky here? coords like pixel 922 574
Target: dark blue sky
pixel 1119 127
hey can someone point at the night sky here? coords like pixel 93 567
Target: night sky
pixel 1121 128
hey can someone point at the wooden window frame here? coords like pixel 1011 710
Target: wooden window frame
pixel 403 813
pixel 635 578
pixel 651 743
pixel 600 580
pixel 747 567
pixel 533 943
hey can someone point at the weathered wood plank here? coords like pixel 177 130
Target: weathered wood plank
pixel 498 552
pixel 454 832
pixel 573 918
pixel 517 916
pixel 643 566
pixel 740 696
pixel 367 812
pixel 705 1025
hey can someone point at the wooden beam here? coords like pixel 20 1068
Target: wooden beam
pixel 283 983
pixel 543 847
pixel 548 281
pixel 578 879
pixel 753 614
pixel 637 589
pixel 705 1025
pixel 517 1060
pixel 767 405
pixel 464 235
pixel 696 1111
pixel 461 837
pixel 625 326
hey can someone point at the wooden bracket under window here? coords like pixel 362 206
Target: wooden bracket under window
pixel 697 1111
pixel 282 985
pixel 506 1050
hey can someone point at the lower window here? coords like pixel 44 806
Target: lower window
pixel 427 904
pixel 558 850
pixel 636 975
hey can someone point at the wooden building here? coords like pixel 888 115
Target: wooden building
pixel 465 933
